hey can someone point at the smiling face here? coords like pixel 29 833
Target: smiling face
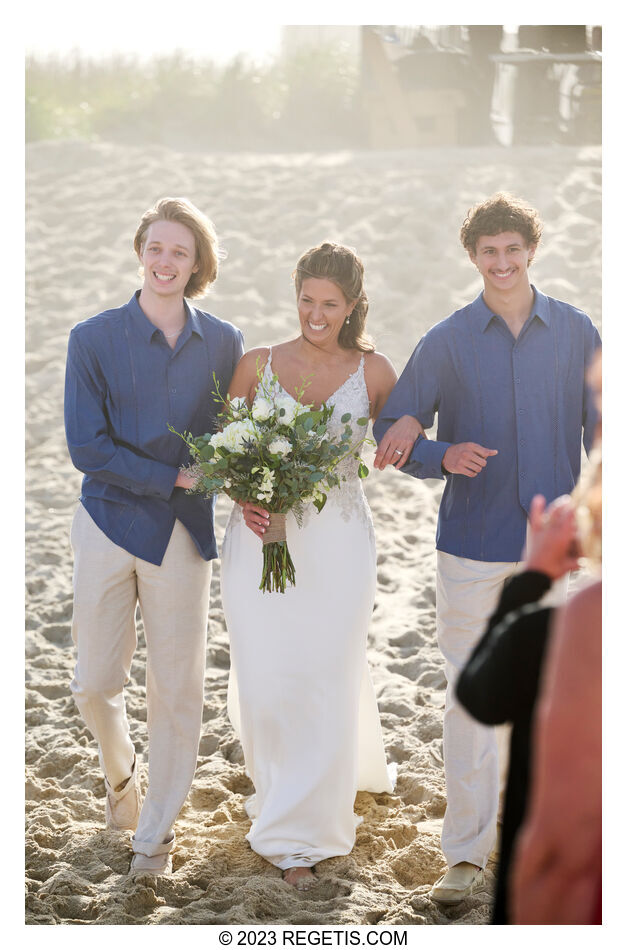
pixel 503 260
pixel 322 310
pixel 169 258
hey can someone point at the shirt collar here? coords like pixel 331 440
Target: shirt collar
pixel 147 329
pixel 484 315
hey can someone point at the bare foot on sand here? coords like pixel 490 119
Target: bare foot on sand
pixel 300 878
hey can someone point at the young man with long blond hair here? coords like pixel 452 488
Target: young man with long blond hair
pixel 137 536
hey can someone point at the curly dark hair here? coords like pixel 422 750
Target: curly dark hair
pixel 340 264
pixel 501 212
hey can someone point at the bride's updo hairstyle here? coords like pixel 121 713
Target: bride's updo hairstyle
pixel 340 264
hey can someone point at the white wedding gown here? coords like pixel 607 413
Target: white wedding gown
pixel 300 696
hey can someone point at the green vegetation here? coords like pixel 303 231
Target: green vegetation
pixel 307 102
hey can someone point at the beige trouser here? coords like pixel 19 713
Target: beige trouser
pixel 174 603
pixel 475 755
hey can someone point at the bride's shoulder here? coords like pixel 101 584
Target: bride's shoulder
pixel 254 359
pixel 380 377
pixel 245 377
pixel 256 353
pixel 379 369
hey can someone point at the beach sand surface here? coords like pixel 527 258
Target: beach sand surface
pixel 401 211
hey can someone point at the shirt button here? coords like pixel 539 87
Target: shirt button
pixel 522 442
pixel 521 410
pixel 522 474
pixel 173 390
pixel 517 380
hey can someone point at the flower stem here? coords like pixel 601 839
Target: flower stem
pixel 278 567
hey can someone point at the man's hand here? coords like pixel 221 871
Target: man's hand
pixel 396 445
pixel 183 480
pixel 466 458
pixel 553 546
pixel 256 518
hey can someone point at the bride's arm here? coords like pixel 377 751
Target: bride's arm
pixel 243 385
pixel 395 448
pixel 380 381
pixel 245 380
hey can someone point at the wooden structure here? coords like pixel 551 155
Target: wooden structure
pixel 448 85
pixel 557 95
pixel 399 116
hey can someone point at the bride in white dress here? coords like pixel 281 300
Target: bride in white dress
pixel 300 695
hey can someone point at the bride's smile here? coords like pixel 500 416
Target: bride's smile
pixel 322 310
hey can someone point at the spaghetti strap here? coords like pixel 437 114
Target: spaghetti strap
pixel 267 370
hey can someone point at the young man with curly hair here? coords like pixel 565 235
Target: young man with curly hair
pixel 506 377
pixel 137 536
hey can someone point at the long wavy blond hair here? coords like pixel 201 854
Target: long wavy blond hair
pixel 588 492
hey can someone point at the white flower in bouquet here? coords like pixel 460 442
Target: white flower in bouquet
pixel 235 435
pixel 238 407
pixel 280 446
pixel 217 440
pixel 266 487
pixel 262 409
pixel 290 409
pixel 315 495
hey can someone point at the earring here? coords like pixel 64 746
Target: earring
pixel 348 318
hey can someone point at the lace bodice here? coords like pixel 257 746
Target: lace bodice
pixel 351 396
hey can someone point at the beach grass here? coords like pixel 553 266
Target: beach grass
pixel 308 101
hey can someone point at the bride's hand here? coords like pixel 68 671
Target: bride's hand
pixel 256 518
pixel 396 445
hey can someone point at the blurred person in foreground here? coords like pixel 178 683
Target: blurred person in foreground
pixel 137 536
pixel 499 684
pixel 556 867
pixel 506 376
pixel 300 694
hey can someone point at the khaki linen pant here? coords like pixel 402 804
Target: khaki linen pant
pixel 475 755
pixel 174 603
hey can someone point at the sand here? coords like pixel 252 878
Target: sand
pixel 402 212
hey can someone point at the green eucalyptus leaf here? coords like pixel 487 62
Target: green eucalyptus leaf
pixel 320 502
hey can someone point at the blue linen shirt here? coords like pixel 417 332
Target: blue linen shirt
pixel 526 397
pixel 123 385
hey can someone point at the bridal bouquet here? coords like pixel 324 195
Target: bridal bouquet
pixel 277 453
